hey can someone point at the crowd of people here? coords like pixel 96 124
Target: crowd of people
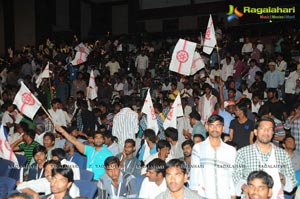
pixel 239 135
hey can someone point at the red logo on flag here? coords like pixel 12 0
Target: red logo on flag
pixel 182 56
pixel 170 114
pixel 27 99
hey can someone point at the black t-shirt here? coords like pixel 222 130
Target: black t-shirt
pixel 277 109
pixel 241 132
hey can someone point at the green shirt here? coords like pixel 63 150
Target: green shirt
pixel 28 150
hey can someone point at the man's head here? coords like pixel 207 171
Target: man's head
pixel 28 136
pixel 39 154
pixel 194 117
pixel 176 175
pixel 58 154
pixel 55 103
pixel 272 93
pixel 163 148
pixel 264 130
pixel 156 170
pixel 187 147
pixel 62 179
pixel 171 134
pixel 215 126
pixel 68 146
pixel 48 140
pixel 149 136
pixel 98 139
pixel 112 167
pixel 207 88
pixel 197 138
pixel 289 143
pixel 259 185
pixel 48 166
pixel 129 146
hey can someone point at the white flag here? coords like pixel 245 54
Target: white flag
pixel 44 74
pixel 6 151
pixel 26 102
pixel 92 88
pixel 81 54
pixel 175 111
pixel 148 109
pixel 210 37
pixel 182 57
pixel 197 64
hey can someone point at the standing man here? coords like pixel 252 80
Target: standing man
pixel 198 127
pixel 263 155
pixel 176 176
pixel 215 158
pixel 95 155
pixel 292 123
pixel 207 103
pixel 125 126
pixel 141 63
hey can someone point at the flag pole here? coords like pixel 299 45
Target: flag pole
pixel 49 116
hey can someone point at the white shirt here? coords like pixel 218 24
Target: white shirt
pixel 141 62
pixel 208 180
pixel 42 185
pixel 8 119
pixel 290 83
pixel 247 48
pixel 58 117
pixel 113 67
pixel 226 71
pixel 150 190
pixel 125 125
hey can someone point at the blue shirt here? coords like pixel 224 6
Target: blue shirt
pixel 78 159
pixel 199 128
pixel 227 119
pixel 141 155
pixel 95 160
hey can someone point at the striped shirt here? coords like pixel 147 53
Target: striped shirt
pixel 28 150
pixel 125 125
pixel 295 130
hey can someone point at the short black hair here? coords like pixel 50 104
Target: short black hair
pixel 214 118
pixel 150 134
pixel 18 195
pixel 59 153
pixel 178 164
pixel 162 144
pixel 266 178
pixel 158 165
pixel 172 133
pixel 287 137
pixel 39 148
pixel 187 142
pixel 111 160
pixel 200 136
pixel 55 162
pixel 65 171
pixel 50 135
pixel 55 100
pixel 195 115
pixel 130 141
pixel 30 133
pixel 262 119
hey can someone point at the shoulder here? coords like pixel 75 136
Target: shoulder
pixel 163 195
pixel 190 194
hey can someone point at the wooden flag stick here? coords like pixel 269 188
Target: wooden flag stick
pixel 49 116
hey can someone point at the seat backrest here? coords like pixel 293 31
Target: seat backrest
pixel 21 159
pixel 86 175
pixel 87 188
pixel 10 182
pixel 139 181
pixel 6 167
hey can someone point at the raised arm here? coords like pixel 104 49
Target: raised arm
pixel 79 145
